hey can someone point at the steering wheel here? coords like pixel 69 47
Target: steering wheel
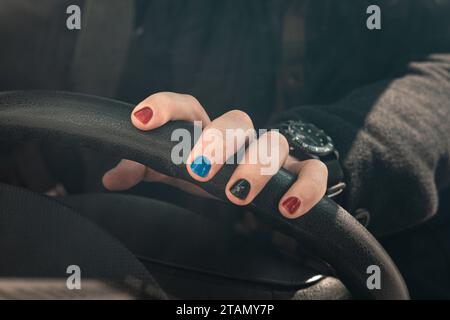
pixel 327 231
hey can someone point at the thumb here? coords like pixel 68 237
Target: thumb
pixel 125 175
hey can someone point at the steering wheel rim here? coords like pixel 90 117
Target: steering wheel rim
pixel 327 230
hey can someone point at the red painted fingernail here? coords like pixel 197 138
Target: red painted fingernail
pixel 144 115
pixel 291 204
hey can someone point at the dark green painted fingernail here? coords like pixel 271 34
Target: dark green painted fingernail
pixel 240 189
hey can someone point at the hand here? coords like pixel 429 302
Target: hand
pixel 204 161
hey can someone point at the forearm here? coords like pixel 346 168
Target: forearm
pixel 394 141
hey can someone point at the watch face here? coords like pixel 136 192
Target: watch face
pixel 308 137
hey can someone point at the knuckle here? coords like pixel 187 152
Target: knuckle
pixel 281 139
pixel 320 166
pixel 196 107
pixel 319 187
pixel 317 177
pixel 161 98
pixel 191 99
pixel 241 116
pixel 193 103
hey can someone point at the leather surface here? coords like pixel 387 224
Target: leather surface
pixel 328 231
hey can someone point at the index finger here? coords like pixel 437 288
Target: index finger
pixel 162 107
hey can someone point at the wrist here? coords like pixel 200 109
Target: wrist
pixel 306 141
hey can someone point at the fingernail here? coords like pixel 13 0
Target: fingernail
pixel 144 115
pixel 201 166
pixel 291 204
pixel 240 189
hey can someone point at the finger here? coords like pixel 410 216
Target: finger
pixel 129 173
pixel 219 141
pixel 307 191
pixel 155 176
pixel 124 176
pixel 262 160
pixel 162 107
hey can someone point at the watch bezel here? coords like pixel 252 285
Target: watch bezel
pixel 290 128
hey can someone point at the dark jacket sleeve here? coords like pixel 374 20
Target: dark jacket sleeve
pixel 394 141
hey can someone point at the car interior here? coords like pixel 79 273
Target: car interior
pixel 127 248
pixel 73 71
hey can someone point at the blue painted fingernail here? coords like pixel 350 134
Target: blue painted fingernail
pixel 201 166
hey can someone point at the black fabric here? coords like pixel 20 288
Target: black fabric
pixel 393 140
pixel 423 254
pixel 41 238
pixel 37 49
pixel 108 61
pixel 222 52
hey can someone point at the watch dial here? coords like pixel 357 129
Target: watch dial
pixel 308 137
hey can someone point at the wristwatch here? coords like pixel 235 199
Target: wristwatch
pixel 306 141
